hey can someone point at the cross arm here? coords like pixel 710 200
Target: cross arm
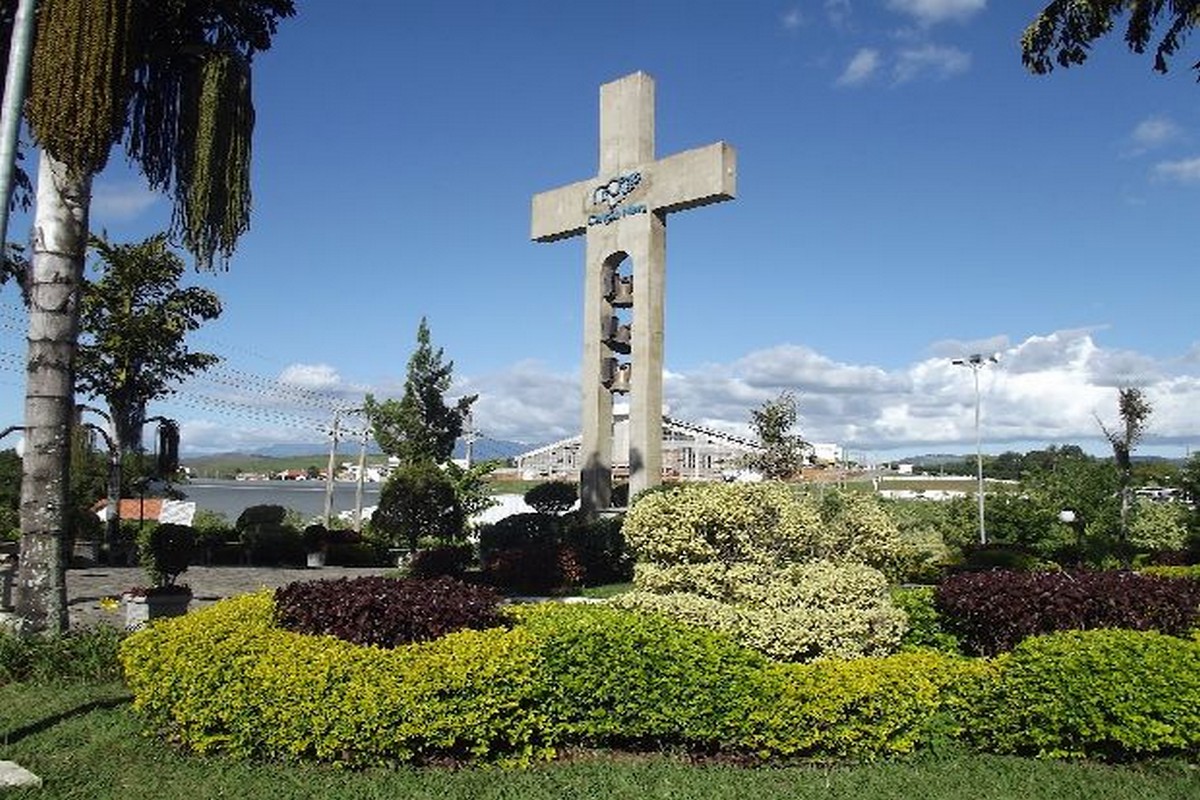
pixel 561 213
pixel 693 178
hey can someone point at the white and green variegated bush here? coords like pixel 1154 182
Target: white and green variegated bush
pixel 792 578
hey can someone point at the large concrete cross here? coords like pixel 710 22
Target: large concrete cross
pixel 623 212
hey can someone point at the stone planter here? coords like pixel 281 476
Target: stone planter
pixel 315 559
pixel 142 608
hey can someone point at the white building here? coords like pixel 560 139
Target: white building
pixel 690 452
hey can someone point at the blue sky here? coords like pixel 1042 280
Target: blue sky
pixel 907 194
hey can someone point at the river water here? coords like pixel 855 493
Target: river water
pixel 307 497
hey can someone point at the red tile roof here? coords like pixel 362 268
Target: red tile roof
pixel 131 508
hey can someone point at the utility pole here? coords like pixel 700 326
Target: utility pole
pixel 358 488
pixel 975 361
pixel 333 443
pixel 469 437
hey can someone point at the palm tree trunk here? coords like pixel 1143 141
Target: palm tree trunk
pixel 59 244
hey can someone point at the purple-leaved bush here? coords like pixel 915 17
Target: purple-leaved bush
pixel 990 612
pixel 387 612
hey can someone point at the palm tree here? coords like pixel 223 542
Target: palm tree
pixel 170 79
pixel 1064 31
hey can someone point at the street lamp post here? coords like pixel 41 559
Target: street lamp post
pixel 975 361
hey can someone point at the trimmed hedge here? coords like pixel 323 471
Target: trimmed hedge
pixel 865 708
pixel 991 612
pixel 616 677
pixel 386 612
pixel 1107 694
pixel 227 679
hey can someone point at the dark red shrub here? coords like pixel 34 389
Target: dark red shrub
pixel 449 560
pixel 991 612
pixel 544 568
pixel 386 611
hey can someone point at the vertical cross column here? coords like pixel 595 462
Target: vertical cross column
pixel 623 211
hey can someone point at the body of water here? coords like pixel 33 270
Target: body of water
pixel 307 497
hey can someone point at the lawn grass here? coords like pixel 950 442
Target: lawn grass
pixel 605 591
pixel 85 742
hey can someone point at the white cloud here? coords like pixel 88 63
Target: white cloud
pixel 1154 132
pixel 310 376
pixel 931 12
pixel 1046 389
pixel 930 59
pixel 120 202
pixel 838 13
pixel 860 69
pixel 1184 171
pixel 792 19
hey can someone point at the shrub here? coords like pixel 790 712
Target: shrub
pixel 420 500
pixel 865 708
pixel 601 548
pixel 1112 694
pixel 991 612
pixel 386 612
pixel 1155 527
pixel 365 553
pixel 517 530
pixel 766 566
pixel 213 530
pixel 616 677
pixel 1175 571
pixel 223 679
pixel 926 628
pixel 762 523
pixel 166 550
pixel 271 544
pixel 552 497
pixel 810 611
pixel 598 547
pixel 253 516
pixel 449 560
pixel 923 527
pixel 268 536
pixel 539 568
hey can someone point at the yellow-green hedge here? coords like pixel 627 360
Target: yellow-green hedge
pixel 225 679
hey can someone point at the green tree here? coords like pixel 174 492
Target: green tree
pixel 1134 410
pixel 1064 31
pixel 782 452
pixel 470 485
pixel 419 501
pixel 169 80
pixel 134 322
pixel 420 426
pixel 1067 479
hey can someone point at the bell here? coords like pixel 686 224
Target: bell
pixel 616 336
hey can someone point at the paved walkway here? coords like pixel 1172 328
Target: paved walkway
pixel 87 587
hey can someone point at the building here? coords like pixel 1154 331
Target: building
pixel 690 452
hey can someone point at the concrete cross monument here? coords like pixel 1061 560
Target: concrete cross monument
pixel 623 211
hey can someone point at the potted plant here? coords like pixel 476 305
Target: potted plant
pixel 165 551
pixel 316 545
